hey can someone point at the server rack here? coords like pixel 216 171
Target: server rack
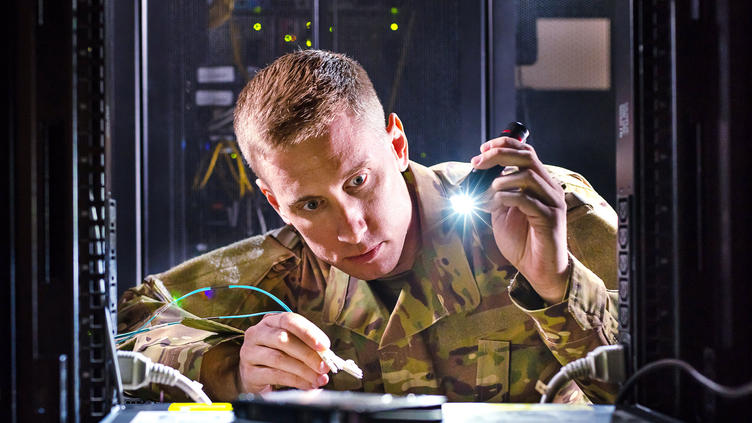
pixel 62 222
pixel 451 70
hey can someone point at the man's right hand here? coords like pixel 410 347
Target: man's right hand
pixel 282 350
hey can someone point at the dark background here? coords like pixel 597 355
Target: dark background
pixel 448 71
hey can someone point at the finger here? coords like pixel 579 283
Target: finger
pixel 533 184
pixel 284 340
pixel 522 156
pixel 530 206
pixel 258 355
pixel 505 156
pixel 269 376
pixel 507 142
pixel 301 327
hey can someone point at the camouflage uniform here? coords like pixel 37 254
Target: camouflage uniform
pixel 466 324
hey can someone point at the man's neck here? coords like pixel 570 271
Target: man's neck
pixel 412 243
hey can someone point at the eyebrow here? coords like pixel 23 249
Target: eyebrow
pixel 306 198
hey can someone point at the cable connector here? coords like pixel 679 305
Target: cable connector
pixel 605 363
pixel 609 363
pixel 336 364
pixel 137 371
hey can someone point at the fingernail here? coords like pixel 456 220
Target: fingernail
pixel 322 367
pixel 475 160
pixel 322 380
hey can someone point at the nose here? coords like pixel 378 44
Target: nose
pixel 352 225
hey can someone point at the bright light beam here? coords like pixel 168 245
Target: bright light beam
pixel 462 204
pixel 466 207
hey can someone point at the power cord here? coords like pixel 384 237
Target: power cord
pixel 719 389
pixel 605 363
pixel 137 371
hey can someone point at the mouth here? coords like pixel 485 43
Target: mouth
pixel 368 255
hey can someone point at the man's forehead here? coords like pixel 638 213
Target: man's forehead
pixel 307 167
pixel 347 144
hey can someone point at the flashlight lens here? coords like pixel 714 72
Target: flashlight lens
pixel 462 203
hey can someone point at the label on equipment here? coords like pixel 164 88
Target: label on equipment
pixel 213 98
pixel 209 74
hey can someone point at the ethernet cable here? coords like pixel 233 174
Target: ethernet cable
pixel 137 371
pixel 604 363
pixel 607 364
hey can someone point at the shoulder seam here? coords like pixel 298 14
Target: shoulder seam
pixel 287 236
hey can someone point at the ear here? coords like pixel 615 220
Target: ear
pixel 398 140
pixel 271 198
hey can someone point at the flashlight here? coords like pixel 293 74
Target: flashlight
pixel 478 181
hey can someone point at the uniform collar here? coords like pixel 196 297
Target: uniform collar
pixel 443 283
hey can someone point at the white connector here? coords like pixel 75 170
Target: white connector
pixel 137 371
pixel 605 363
pixel 336 364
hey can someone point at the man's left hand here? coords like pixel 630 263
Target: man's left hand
pixel 528 216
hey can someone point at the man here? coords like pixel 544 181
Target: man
pixel 375 267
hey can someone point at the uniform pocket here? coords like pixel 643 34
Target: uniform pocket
pixel 492 377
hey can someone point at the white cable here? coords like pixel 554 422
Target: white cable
pixel 605 363
pixel 336 364
pixel 137 371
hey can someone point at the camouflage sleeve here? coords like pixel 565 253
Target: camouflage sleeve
pixel 587 315
pixel 570 329
pixel 204 350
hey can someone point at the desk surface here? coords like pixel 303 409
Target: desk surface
pixel 450 412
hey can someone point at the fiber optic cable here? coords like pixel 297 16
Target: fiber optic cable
pixel 122 337
pixel 215 288
pixel 334 362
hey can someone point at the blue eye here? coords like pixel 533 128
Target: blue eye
pixel 358 180
pixel 311 205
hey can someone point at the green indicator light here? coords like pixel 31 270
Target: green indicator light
pixel 423 155
pixel 234 156
pixel 331 29
pixel 288 38
pixel 308 43
pixel 257 9
pixel 394 26
pixel 394 10
pixel 257 26
pixel 308 25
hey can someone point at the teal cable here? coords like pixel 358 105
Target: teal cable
pixel 240 316
pixel 253 288
pixel 163 308
pixel 136 332
pixel 210 288
pixel 128 335
pixel 122 337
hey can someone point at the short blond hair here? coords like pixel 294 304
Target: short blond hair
pixel 297 97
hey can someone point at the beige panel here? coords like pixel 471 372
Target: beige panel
pixel 573 54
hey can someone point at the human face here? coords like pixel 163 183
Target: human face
pixel 345 195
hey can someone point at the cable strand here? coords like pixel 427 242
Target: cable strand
pixel 724 391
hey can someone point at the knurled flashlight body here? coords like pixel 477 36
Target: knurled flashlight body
pixel 479 180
